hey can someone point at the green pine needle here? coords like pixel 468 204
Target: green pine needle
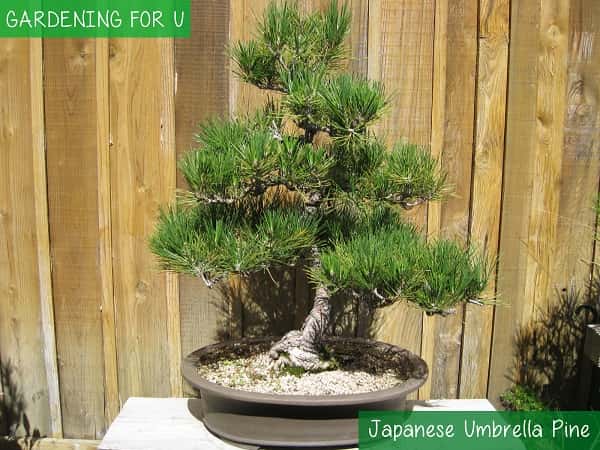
pixel 262 193
pixel 242 157
pixel 397 263
pixel 214 241
pixel 288 40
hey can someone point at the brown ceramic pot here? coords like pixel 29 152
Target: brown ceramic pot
pixel 296 420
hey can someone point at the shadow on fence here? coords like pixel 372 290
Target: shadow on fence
pixel 548 357
pixel 275 302
pixel 13 419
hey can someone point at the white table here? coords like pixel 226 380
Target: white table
pixel 166 424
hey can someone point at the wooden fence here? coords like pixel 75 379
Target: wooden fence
pixel 506 93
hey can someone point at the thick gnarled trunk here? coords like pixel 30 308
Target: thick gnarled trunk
pixel 302 348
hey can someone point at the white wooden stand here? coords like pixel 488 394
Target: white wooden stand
pixel 166 424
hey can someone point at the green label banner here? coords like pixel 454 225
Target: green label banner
pixel 502 430
pixel 94 18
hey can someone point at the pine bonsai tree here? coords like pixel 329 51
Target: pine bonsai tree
pixel 306 180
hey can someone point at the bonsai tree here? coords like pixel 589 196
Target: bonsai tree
pixel 305 181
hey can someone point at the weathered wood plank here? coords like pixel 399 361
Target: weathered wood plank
pixel 400 54
pixel 534 145
pixel 26 316
pixel 548 147
pixel 174 334
pixel 202 73
pixel 40 179
pixel 71 119
pixel 438 117
pixel 580 158
pixel 42 237
pixel 167 139
pixel 486 194
pixel 142 178
pixel 105 261
pixel 400 50
pixel 244 97
pixel 452 140
pixel 358 41
pixel 520 127
pixel 575 232
pixel 308 6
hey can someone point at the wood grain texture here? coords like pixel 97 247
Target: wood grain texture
pixel 438 116
pixel 400 49
pixel 358 39
pixel 105 259
pixel 40 179
pixel 142 178
pixel 174 334
pixel 71 121
pixel 486 197
pixel 452 141
pixel 114 113
pixel 534 147
pixel 538 234
pixel 202 74
pixel 521 119
pixel 25 341
pixel 168 143
pixel 244 97
pixel 580 157
pixel 548 147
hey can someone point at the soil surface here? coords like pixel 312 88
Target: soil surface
pixel 359 369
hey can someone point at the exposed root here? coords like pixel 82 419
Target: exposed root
pixel 302 348
pixel 293 351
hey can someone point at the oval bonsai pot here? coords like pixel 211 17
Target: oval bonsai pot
pixel 295 420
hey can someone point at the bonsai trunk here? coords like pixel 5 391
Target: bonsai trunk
pixel 302 348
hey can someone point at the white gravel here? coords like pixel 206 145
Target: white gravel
pixel 254 375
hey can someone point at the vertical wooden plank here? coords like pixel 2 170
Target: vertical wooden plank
pixel 174 334
pixel 452 140
pixel 142 167
pixel 71 121
pixel 168 143
pixel 520 127
pixel 105 259
pixel 244 15
pixel 42 236
pixel 534 141
pixel 438 116
pixel 487 185
pixel 26 315
pixel 550 109
pixel 202 74
pixel 580 159
pixel 308 6
pixel 358 41
pixel 400 54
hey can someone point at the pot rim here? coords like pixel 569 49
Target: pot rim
pixel 190 373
